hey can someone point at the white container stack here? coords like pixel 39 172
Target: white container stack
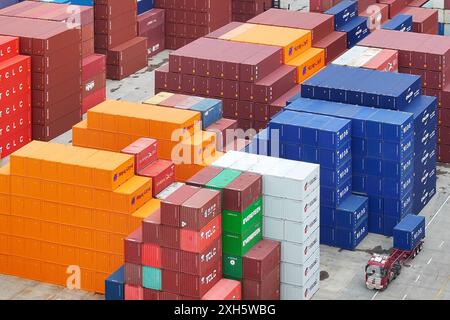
pixel 291 211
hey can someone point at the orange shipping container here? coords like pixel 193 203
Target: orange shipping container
pixel 308 63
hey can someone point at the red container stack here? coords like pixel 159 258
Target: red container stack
pixel 261 271
pixel 177 253
pixel 230 71
pixel 55 54
pixel 428 56
pixel 243 10
pixel 15 97
pixel 116 37
pixel 151 25
pixel 186 21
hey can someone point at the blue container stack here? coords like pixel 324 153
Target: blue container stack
pixel 386 144
pixel 326 141
pixel 346 20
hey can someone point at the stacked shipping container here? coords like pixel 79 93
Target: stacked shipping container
pixel 291 215
pixel 15 97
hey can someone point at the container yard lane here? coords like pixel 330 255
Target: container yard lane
pixel 425 277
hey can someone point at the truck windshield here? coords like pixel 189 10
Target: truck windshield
pixel 373 271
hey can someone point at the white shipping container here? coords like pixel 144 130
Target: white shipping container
pixel 290 292
pixel 292 210
pixel 299 253
pixel 246 162
pixel 229 158
pixel 438 4
pixel 298 275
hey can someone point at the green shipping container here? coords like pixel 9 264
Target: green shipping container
pixel 232 267
pixel 240 222
pixel 240 244
pixel 223 179
pixel 151 278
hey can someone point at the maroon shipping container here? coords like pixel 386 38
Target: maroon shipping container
pixel 200 209
pixel 151 228
pixel 204 176
pixel 395 6
pixel 424 20
pixel 196 286
pixel 144 151
pixel 150 294
pixel 220 128
pixel 444 153
pixel 170 281
pixel 334 45
pixel 170 259
pixel 170 207
pixel 52 130
pixel 242 192
pixel 319 24
pixel 133 274
pixel 169 237
pixel 267 289
pixel 162 173
pixel 93 65
pixel 106 9
pixel 200 263
pixel 168 296
pixel 133 247
pixel 261 260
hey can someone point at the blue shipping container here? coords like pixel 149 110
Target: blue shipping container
pixel 409 232
pixel 114 285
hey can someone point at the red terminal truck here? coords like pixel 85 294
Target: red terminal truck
pixel 409 237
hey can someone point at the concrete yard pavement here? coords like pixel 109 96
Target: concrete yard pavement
pixel 426 277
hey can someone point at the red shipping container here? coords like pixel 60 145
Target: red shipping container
pixel 197 286
pixel 151 228
pixel 261 260
pixel 169 237
pixel 170 207
pixel 200 209
pixel 242 192
pixel 168 296
pixel 334 45
pixel 9 111
pixel 150 294
pixel 151 255
pixel 395 6
pixel 14 142
pixel 133 247
pixel 16 69
pixel 170 281
pixel 198 241
pixel 225 289
pixel 15 124
pixel 170 259
pixel 144 151
pixel 133 274
pixel 386 60
pixel 93 65
pixel 204 176
pixel 221 128
pixel 267 289
pixel 9 47
pixel 199 263
pixel 134 292
pixel 162 173
pixel 93 99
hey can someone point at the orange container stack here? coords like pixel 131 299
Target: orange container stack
pixel 113 125
pixel 64 212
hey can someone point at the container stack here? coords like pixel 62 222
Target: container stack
pixel 56 72
pixel 243 10
pixel 113 125
pixel 321 26
pixel 242 213
pixel 115 37
pixel 15 97
pixel 424 55
pixel 386 144
pixel 187 21
pixel 65 206
pixel 326 141
pixel 163 258
pixel 443 8
pixel 346 20
pixel 291 215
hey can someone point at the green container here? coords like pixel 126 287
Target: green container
pixel 240 222
pixel 223 179
pixel 232 267
pixel 151 278
pixel 240 244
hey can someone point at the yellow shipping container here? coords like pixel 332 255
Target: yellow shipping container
pixel 308 63
pixel 293 41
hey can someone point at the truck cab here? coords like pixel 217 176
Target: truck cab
pixel 380 271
